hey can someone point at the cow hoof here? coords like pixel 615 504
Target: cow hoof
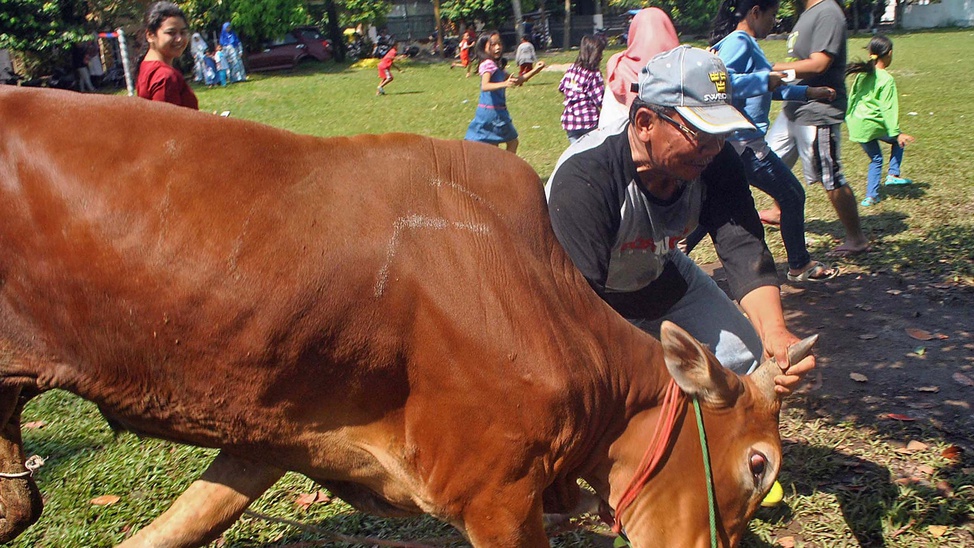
pixel 20 507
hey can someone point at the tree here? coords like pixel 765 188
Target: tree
pixel 41 27
pixel 491 12
pixel 687 15
pixel 263 20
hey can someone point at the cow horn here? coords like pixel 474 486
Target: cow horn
pixel 764 375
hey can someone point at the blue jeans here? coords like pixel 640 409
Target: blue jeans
pixel 875 153
pixel 772 176
pixel 707 313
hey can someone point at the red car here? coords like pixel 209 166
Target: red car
pixel 296 46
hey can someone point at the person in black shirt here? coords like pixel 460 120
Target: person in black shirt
pixel 621 198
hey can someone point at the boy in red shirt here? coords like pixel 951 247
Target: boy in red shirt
pixel 385 69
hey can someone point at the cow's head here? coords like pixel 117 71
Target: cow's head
pixel 741 421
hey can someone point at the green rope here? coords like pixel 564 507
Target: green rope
pixel 710 478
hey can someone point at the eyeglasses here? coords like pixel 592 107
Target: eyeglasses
pixel 694 135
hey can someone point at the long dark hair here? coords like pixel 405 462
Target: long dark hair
pixel 159 12
pixel 154 16
pixel 590 52
pixel 880 46
pixel 731 12
pixel 482 48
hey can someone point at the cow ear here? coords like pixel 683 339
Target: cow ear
pixel 696 370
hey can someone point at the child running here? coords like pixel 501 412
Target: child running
pixel 873 116
pixel 466 43
pixel 525 56
pixel 492 123
pixel 583 88
pixel 385 69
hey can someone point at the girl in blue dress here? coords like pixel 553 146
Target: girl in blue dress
pixel 492 123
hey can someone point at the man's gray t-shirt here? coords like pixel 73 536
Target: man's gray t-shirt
pixel 820 28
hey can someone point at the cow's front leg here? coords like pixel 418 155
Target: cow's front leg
pixel 210 505
pixel 510 518
pixel 20 502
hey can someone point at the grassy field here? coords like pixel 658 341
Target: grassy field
pixel 927 228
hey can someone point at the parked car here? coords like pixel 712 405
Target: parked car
pixel 295 46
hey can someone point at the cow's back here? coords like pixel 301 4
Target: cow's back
pixel 175 263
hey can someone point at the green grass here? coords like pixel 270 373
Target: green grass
pixel 924 228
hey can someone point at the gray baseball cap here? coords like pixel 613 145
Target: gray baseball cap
pixel 695 83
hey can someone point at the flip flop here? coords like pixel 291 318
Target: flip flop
pixel 816 272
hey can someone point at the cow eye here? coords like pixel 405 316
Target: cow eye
pixel 759 464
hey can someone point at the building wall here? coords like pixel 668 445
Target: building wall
pixel 923 14
pixel 411 20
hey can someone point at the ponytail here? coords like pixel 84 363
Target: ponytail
pixel 880 46
pixel 731 12
pixel 726 20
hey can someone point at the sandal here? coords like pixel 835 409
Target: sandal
pixel 816 272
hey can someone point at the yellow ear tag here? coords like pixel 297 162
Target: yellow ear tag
pixel 775 496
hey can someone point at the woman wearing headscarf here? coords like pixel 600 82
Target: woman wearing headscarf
pixel 650 32
pixel 233 49
pixel 198 47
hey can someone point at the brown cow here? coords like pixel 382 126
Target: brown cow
pixel 390 316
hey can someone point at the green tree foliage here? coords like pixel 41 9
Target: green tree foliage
pixel 261 20
pixel 354 12
pixel 688 15
pixel 491 12
pixel 207 16
pixel 41 27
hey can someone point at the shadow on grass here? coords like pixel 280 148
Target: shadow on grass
pixel 945 250
pixel 864 489
pixel 906 390
pixel 415 532
pixel 915 191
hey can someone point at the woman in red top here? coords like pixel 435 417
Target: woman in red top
pixel 167 33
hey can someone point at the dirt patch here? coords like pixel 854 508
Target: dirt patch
pixel 892 348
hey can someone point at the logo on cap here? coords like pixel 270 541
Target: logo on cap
pixel 719 79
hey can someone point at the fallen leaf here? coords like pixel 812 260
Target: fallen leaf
pixel 33 424
pixel 919 334
pixel 858 377
pixel 916 445
pixel 105 500
pixel 952 453
pixel 904 481
pixel 868 336
pixel 963 379
pixel 937 531
pixel 899 417
pixel 307 499
pixel 933 389
pixel 926 469
pixel 945 488
pixel 920 350
pixel 893 291
pixel 903 529
pixel 786 542
pixel 921 405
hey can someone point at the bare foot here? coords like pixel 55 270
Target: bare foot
pixel 848 250
pixel 770 216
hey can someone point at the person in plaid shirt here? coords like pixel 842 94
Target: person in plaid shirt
pixel 583 88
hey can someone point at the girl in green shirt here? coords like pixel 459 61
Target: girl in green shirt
pixel 873 116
